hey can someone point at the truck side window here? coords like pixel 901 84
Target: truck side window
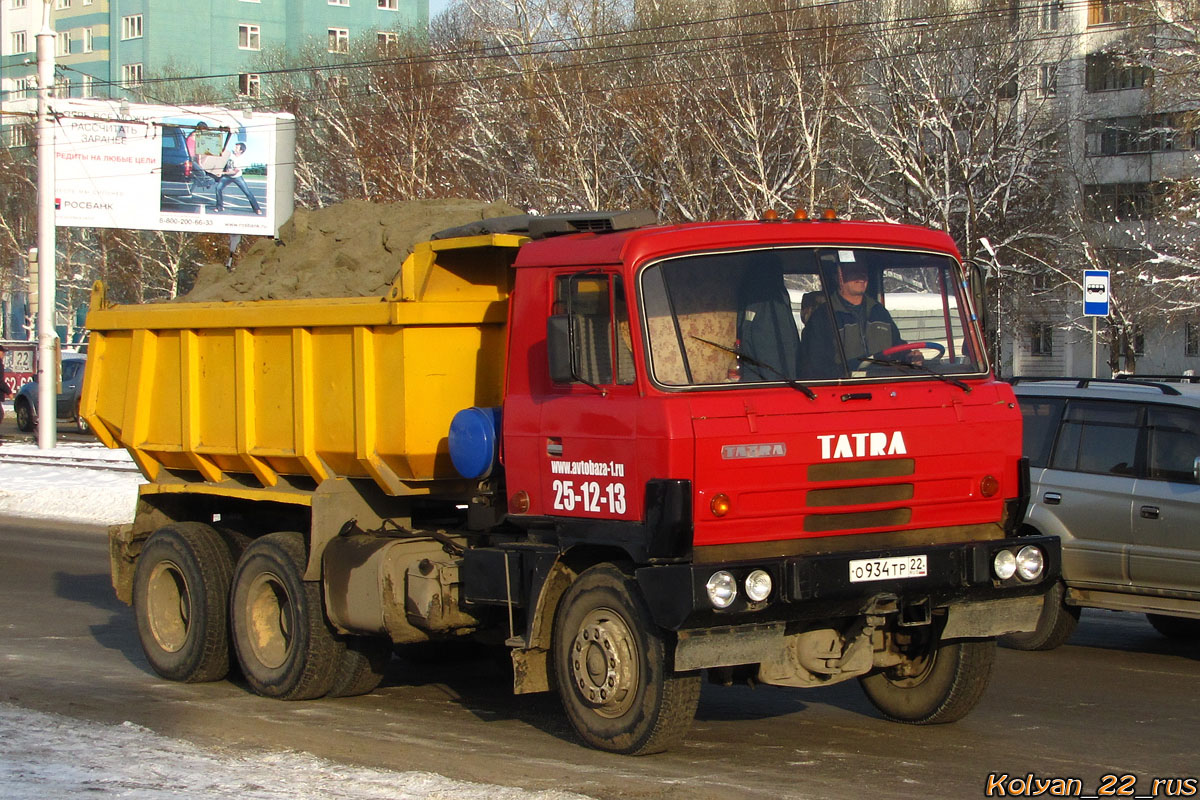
pixel 1174 443
pixel 1099 437
pixel 601 326
pixel 1040 417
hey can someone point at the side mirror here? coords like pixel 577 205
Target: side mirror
pixel 558 348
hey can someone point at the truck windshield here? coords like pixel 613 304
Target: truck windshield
pixel 806 314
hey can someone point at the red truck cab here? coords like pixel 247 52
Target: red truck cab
pixel 794 487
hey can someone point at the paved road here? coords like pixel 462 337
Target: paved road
pixel 1117 699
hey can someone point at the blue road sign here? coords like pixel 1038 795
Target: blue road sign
pixel 1095 293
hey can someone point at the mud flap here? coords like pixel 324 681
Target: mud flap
pixel 991 618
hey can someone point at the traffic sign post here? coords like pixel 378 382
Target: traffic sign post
pixel 1095 303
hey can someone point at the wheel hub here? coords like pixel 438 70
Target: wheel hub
pixel 268 618
pixel 604 663
pixel 167 608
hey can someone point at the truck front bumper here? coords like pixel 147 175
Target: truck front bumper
pixel 820 587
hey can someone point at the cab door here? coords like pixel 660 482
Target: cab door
pixel 589 416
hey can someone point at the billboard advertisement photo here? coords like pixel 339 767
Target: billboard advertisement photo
pixel 148 167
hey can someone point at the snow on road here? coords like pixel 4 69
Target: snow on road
pixel 49 756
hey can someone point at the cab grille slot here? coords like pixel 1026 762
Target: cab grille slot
pixel 861 470
pixel 859 495
pixel 825 523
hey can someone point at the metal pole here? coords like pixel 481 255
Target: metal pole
pixel 1095 328
pixel 47 361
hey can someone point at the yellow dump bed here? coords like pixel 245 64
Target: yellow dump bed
pixel 245 392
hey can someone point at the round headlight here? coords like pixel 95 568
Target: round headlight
pixel 1030 563
pixel 758 585
pixel 722 589
pixel 1004 564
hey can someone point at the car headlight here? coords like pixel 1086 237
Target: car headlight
pixel 722 589
pixel 1004 564
pixel 1030 563
pixel 758 585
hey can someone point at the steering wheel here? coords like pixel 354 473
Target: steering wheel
pixel 908 347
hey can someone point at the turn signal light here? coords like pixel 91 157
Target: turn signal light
pixel 519 502
pixel 720 505
pixel 989 486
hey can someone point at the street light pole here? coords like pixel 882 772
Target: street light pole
pixel 47 360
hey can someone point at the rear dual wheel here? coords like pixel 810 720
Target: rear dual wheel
pixel 284 644
pixel 180 595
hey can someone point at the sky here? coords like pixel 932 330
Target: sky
pixel 50 756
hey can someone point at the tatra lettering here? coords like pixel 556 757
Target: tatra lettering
pixel 861 445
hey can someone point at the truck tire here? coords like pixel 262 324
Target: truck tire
pixel 284 645
pixel 180 601
pixel 361 665
pixel 1055 625
pixel 1175 627
pixel 949 684
pixel 613 668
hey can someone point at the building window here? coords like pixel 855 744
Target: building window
pixel 85 85
pixel 131 76
pixel 18 136
pixel 18 3
pixel 1107 12
pixel 62 44
pixel 61 4
pixel 389 5
pixel 1040 281
pixel 388 40
pixel 87 2
pixel 1114 202
pixel 249 37
pixel 249 84
pixel 339 40
pixel 1111 71
pixel 1154 133
pixel 1048 15
pixel 131 27
pixel 1041 339
pixel 62 87
pixel 339 2
pixel 19 43
pixel 23 88
pixel 87 40
pixel 1191 333
pixel 1048 80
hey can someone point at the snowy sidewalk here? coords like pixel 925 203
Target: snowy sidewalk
pixel 51 489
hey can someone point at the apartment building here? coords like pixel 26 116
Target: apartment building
pixel 106 48
pixel 1131 132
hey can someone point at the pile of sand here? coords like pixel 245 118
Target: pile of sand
pixel 353 249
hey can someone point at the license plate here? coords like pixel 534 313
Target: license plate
pixel 884 569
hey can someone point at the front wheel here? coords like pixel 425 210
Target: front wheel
pixel 941 684
pixel 613 668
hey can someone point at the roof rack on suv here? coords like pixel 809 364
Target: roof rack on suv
pixel 1083 383
pixel 1166 378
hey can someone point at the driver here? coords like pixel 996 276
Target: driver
pixel 863 324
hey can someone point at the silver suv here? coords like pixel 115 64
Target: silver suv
pixel 1115 471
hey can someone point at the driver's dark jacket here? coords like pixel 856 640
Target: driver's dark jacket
pixel 819 347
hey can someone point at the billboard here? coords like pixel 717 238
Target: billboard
pixel 172 168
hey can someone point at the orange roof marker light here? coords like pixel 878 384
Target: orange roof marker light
pixel 770 215
pixel 829 214
pixel 800 214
